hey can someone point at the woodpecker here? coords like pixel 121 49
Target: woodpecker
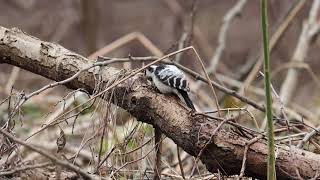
pixel 170 79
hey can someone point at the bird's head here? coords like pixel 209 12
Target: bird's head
pixel 150 71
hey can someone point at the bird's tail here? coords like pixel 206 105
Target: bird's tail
pixel 186 99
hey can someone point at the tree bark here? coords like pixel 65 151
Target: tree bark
pixel 190 132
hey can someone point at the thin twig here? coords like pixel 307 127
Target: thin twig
pixel 273 41
pixel 12 79
pixel 124 40
pixel 208 80
pixel 307 137
pixel 181 45
pixel 227 19
pixel 245 153
pixel 49 156
pixel 180 163
pixel 137 148
pixel 281 108
pixel 23 168
pixel 207 143
pixel 193 18
pixel 134 161
pixel 126 141
pixel 158 145
pixel 222 88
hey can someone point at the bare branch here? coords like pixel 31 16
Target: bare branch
pixel 227 19
pixel 49 156
pixel 310 28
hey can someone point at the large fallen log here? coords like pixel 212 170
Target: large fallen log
pixel 190 132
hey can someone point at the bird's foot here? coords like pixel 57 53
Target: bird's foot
pixel 192 112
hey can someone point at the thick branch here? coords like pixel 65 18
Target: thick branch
pixel 190 132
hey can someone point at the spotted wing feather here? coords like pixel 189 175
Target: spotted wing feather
pixel 172 76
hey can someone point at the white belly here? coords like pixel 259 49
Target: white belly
pixel 163 88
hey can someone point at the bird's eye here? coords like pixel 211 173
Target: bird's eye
pixel 149 78
pixel 150 69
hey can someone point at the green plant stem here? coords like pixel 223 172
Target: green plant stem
pixel 271 155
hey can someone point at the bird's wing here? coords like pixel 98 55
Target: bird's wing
pixel 172 76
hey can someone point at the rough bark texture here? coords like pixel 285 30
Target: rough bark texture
pixel 189 132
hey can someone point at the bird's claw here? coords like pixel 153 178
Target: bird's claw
pixel 192 112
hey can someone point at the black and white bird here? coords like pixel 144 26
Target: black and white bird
pixel 170 79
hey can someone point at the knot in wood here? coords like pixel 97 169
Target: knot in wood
pixel 205 134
